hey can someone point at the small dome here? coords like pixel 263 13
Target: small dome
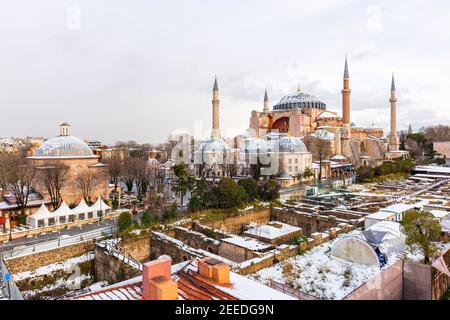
pixel 214 145
pixel 323 134
pixel 300 100
pixel 65 147
pixel 255 145
pixel 291 145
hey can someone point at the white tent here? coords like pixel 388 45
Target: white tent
pixel 83 211
pixel 40 217
pixel 100 208
pixel 64 213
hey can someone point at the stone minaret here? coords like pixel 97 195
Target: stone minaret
pixel 393 140
pixel 215 115
pixel 64 129
pixel 266 102
pixel 346 102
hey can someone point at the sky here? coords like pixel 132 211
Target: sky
pixel 141 70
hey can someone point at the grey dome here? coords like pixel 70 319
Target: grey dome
pixel 214 145
pixel 291 145
pixel 64 147
pixel 299 100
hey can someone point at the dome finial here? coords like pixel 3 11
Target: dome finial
pixel 298 88
pixel 64 129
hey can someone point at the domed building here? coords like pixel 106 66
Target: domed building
pixel 213 155
pixel 86 177
pixel 300 114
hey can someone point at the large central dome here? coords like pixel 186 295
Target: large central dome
pixel 300 100
pixel 64 146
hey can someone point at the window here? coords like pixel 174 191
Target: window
pixel 296 160
pixel 290 168
pixel 41 223
pixel 72 218
pixel 81 216
pixel 51 221
pixel 108 211
pixel 62 220
pixel 296 168
pixel 290 161
pixel 90 215
pixel 99 213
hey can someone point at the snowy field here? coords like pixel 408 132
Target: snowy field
pixel 55 279
pixel 318 273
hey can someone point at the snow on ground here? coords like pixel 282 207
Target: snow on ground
pixel 64 265
pixel 318 273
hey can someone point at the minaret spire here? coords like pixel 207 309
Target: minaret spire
pixel 266 102
pixel 346 74
pixel 215 114
pixel 346 102
pixel 393 140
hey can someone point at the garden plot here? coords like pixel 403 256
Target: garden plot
pixel 56 279
pixel 318 273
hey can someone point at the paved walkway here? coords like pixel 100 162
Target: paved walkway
pixel 22 242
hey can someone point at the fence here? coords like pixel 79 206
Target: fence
pixel 60 242
pixel 13 291
pixel 291 291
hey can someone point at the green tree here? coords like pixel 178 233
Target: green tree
pixel 125 221
pixel 251 187
pixel 184 181
pixel 421 229
pixel 308 173
pixel 365 173
pixel 229 194
pixel 149 220
pixel 171 214
pixel 270 190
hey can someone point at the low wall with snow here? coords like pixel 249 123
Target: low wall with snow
pixel 36 260
pixel 236 224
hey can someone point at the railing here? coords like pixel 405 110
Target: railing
pixel 12 291
pixel 291 291
pixel 114 249
pixel 60 242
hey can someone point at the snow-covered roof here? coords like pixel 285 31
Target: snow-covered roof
pixel 99 205
pixel 436 169
pixel 247 243
pixel 328 114
pixel 382 231
pixel 439 214
pixel 272 230
pixel 323 134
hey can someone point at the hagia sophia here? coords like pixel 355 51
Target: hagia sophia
pixel 300 123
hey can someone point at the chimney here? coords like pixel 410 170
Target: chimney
pixel 214 270
pixel 156 280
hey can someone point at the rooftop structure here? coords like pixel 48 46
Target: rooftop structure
pixel 199 279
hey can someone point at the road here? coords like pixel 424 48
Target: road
pixel 55 235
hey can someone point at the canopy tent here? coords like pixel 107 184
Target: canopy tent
pixel 83 211
pixel 40 217
pixel 100 208
pixel 64 213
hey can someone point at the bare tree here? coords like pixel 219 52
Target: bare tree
pixel 53 176
pixel 115 170
pixel 142 176
pixel 87 183
pixel 438 133
pixel 320 148
pixel 6 160
pixel 20 180
pixel 129 172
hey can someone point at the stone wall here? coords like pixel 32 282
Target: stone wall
pixel 208 231
pixel 267 260
pixel 387 285
pixel 416 281
pixel 236 253
pixel 109 268
pixel 235 224
pixel 197 240
pixel 36 260
pixel 310 223
pixel 163 245
pixel 138 248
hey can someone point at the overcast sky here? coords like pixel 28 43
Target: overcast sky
pixel 121 70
